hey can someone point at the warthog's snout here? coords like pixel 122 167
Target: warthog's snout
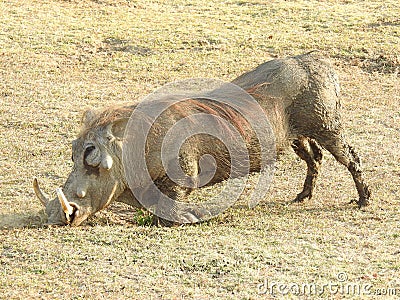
pixel 59 210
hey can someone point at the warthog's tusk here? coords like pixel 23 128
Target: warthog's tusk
pixel 67 208
pixel 39 193
pixel 107 162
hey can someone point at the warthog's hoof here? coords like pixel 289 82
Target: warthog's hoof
pixel 185 217
pixel 160 222
pixel 301 197
pixel 362 202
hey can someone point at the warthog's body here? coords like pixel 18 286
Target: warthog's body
pixel 299 96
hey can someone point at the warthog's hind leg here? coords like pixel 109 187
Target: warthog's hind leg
pixel 309 151
pixel 346 155
pixel 356 171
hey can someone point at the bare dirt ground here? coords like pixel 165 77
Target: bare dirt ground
pixel 58 58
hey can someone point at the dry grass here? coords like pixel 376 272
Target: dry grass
pixel 59 57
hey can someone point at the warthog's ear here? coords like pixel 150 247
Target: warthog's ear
pixel 88 117
pixel 116 129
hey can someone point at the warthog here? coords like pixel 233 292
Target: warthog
pixel 299 95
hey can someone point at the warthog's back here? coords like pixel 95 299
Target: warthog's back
pixel 293 90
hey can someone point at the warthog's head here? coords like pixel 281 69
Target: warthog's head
pixel 97 177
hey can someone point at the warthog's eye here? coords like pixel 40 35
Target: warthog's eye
pixel 91 159
pixel 88 150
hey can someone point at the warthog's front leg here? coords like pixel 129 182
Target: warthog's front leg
pixel 309 151
pixel 174 211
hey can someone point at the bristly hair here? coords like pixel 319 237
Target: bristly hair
pixel 102 117
pixel 93 119
pixel 218 109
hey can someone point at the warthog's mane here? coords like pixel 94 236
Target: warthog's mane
pixel 190 107
pixel 187 108
pixel 94 119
